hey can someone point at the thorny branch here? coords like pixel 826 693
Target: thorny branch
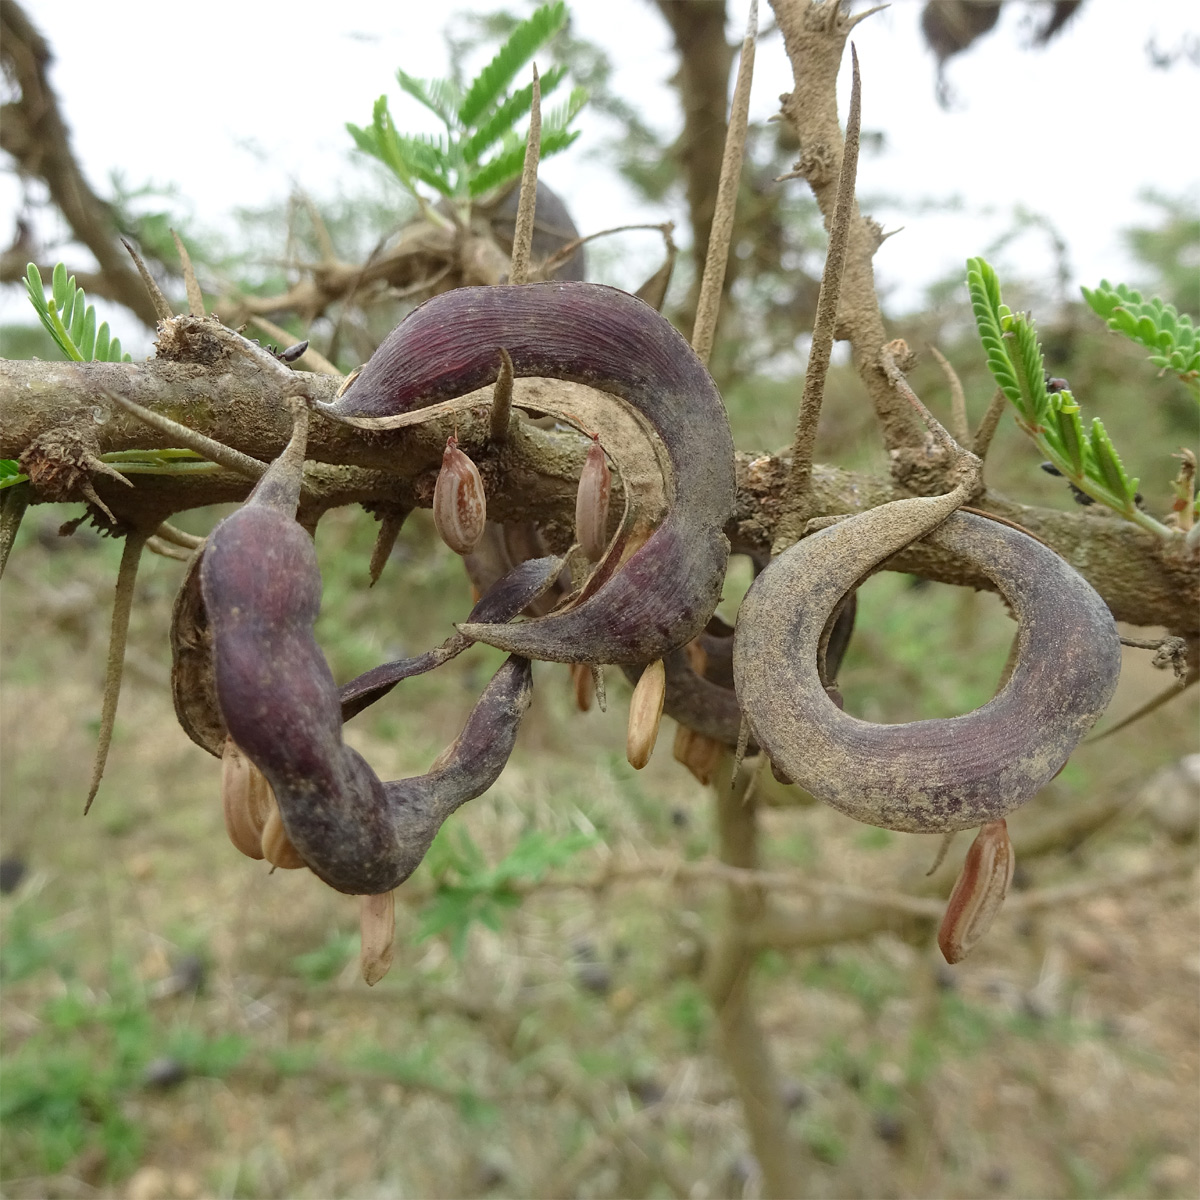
pixel 242 405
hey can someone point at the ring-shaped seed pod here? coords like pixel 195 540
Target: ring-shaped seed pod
pixel 934 775
pixel 665 592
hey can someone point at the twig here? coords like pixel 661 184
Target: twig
pixel 1146 709
pixel 131 555
pixel 800 482
pixel 958 400
pixel 744 1044
pixel 526 205
pixel 988 425
pixel 711 285
pixel 565 251
pixel 1070 893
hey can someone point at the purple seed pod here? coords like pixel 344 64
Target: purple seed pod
pixel 935 775
pixel 664 592
pixel 261 590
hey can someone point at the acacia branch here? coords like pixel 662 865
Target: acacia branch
pixel 534 475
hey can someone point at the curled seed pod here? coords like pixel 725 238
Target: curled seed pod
pixel 277 847
pixel 660 594
pixel 459 503
pixel 591 503
pixel 246 798
pixel 645 713
pixel 934 775
pixel 979 892
pixel 377 926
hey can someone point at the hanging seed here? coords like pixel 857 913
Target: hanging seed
pixel 979 892
pixel 246 798
pixel 585 688
pixel 277 847
pixel 699 753
pixel 645 712
pixel 377 923
pixel 591 503
pixel 459 503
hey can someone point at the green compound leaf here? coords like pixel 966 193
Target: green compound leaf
pixel 1161 328
pixel 440 96
pixel 507 165
pixel 502 120
pixel 69 319
pixel 523 43
pixel 1053 420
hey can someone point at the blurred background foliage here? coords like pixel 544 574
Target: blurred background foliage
pixel 177 1022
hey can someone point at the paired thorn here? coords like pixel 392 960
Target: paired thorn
pixel 218 452
pixel 131 556
pixel 161 304
pixel 502 396
pixel 194 295
pixel 523 229
pixel 988 425
pixel 14 501
pixel 958 400
pixel 385 541
pixel 721 234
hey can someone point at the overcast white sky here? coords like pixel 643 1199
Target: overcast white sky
pixel 236 104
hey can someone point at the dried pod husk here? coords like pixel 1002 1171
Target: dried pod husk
pixel 645 713
pixel 277 847
pixel 377 924
pixel 583 686
pixel 591 503
pixel 978 894
pixel 459 502
pixel 700 754
pixel 247 799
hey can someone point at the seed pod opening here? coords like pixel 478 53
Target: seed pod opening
pixel 591 503
pixel 247 799
pixel 459 502
pixel 979 892
pixel 645 712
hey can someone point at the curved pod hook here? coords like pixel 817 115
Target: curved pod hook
pixel 261 589
pixel 665 592
pixel 935 775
